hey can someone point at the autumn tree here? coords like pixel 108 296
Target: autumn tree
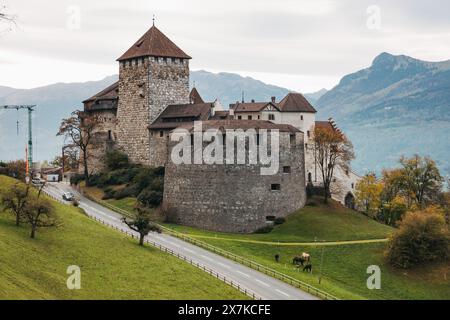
pixel 79 131
pixel 39 213
pixel 332 149
pixel 142 224
pixel 423 236
pixel 368 194
pixel 421 179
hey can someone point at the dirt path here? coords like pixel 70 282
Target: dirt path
pixel 287 244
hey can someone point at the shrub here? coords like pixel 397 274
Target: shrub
pixel 279 221
pixel 127 192
pixel 157 184
pixel 109 193
pixel 145 177
pixel 75 203
pixel 115 159
pixel 423 236
pixel 266 229
pixel 150 198
pixel 76 179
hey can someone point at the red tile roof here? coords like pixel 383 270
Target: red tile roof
pixel 194 96
pixel 110 93
pixel 251 106
pixel 154 44
pixel 295 102
pixel 242 124
pixel 176 115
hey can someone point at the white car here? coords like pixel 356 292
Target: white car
pixel 68 196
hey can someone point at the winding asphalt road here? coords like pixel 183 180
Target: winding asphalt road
pixel 263 286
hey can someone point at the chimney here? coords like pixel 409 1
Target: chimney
pixel 213 108
pixel 274 99
pixel 231 112
pixel 253 100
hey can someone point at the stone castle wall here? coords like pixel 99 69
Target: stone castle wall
pixel 104 139
pixel 235 198
pixel 158 147
pixel 146 87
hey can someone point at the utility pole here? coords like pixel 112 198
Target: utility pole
pixel 30 109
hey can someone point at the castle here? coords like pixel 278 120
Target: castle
pixel 140 112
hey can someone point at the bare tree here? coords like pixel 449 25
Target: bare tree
pixel 332 149
pixel 9 19
pixel 39 213
pixel 79 129
pixel 15 200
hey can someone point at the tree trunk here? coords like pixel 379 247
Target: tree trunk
pixel 141 239
pixel 86 171
pixel 33 231
pixel 17 220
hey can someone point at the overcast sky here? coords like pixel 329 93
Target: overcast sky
pixel 301 45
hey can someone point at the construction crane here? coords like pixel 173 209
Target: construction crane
pixel 30 109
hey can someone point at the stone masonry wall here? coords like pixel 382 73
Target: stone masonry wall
pixel 235 198
pixel 158 147
pixel 105 136
pixel 146 87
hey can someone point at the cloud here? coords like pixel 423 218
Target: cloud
pixel 323 38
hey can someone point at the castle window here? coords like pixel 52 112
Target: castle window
pixel 286 169
pixel 347 172
pixel 250 117
pixel 161 134
pixel 353 186
pixel 301 118
pixel 309 134
pixel 275 187
pixel 239 117
pixel 292 136
pixel 259 117
pixel 270 218
pixel 306 146
pixel 272 117
pixel 109 135
pixel 309 177
pixel 174 60
pixel 257 139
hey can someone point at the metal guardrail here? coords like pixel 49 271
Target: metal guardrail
pixel 211 272
pixel 247 262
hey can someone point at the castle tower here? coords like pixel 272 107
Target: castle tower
pixel 153 74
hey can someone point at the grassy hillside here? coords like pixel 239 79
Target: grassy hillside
pixel 112 266
pixel 316 222
pixel 344 266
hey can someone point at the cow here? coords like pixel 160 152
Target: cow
pixel 305 257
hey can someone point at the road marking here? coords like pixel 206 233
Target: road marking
pixel 223 265
pixel 174 244
pixel 207 258
pixel 263 283
pixel 283 293
pixel 244 274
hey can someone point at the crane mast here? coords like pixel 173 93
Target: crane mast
pixel 30 109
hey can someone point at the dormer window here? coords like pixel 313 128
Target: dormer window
pixel 271 117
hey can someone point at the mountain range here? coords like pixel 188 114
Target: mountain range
pixel 397 106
